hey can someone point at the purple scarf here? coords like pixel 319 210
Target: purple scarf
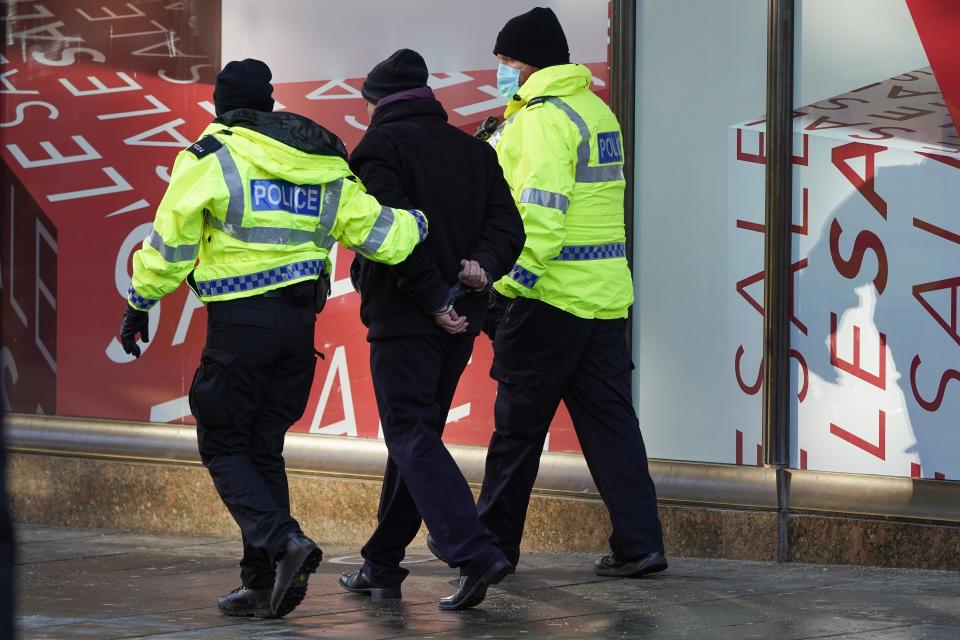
pixel 420 93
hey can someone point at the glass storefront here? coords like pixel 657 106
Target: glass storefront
pixel 876 242
pixel 99 95
pixel 701 84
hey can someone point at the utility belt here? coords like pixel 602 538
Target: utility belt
pixel 304 294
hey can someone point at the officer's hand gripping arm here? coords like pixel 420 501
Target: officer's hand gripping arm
pixel 376 232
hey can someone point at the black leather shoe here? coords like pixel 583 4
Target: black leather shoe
pixel 472 590
pixel 611 565
pixel 435 550
pixel 299 560
pixel 246 603
pixel 358 582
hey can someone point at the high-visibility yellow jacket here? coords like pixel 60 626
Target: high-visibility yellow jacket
pixel 260 199
pixel 561 153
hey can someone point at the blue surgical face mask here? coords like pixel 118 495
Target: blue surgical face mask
pixel 508 80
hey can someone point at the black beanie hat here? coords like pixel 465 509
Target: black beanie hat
pixel 405 69
pixel 534 37
pixel 243 84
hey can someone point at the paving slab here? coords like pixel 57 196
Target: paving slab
pixel 111 585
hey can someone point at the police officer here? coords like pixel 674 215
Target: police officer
pixel 251 212
pixel 420 341
pixel 563 334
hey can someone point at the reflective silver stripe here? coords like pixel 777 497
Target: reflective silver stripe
pixel 378 233
pixel 270 235
pixel 603 173
pixel 326 242
pixel 586 173
pixel 328 214
pixel 331 203
pixel 234 185
pixel 547 199
pixel 179 253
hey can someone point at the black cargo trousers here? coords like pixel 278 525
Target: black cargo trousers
pixel 543 355
pixel 252 384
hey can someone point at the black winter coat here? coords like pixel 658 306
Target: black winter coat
pixel 410 157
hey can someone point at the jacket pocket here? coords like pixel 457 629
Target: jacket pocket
pixel 211 394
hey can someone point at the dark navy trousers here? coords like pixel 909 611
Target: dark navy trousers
pixel 414 378
pixel 543 355
pixel 253 383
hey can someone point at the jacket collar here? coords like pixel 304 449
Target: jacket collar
pixel 290 129
pixel 408 109
pixel 559 80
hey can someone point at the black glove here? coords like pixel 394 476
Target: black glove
pixel 134 322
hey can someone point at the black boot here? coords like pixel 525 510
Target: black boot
pixel 246 603
pixel 300 558
pixel 358 582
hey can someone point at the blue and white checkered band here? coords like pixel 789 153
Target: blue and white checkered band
pixel 523 276
pixel 252 281
pixel 593 251
pixel 421 223
pixel 139 301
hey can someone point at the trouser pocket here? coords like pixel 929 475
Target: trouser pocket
pixel 211 400
pixel 516 372
pixel 297 394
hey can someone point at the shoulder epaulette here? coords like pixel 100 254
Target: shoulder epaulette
pixel 204 146
pixel 538 100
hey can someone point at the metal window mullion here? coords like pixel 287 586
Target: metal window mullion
pixel 623 70
pixel 776 257
pixel 777 215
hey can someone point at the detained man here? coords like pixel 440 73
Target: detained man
pixel 420 337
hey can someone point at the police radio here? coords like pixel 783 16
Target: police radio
pixel 486 128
